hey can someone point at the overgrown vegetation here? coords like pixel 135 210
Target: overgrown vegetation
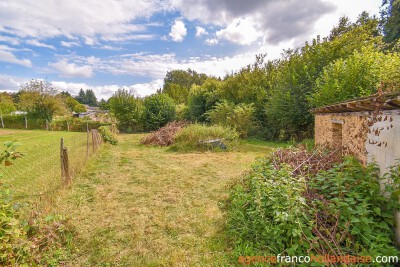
pixel 303 203
pixel 108 135
pixel 199 137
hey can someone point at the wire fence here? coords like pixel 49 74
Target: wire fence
pixel 49 164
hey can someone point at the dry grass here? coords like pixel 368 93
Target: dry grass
pixel 144 206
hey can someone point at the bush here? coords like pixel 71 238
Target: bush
pixel 159 109
pixel 240 117
pixel 339 210
pixel 128 111
pixel 75 124
pixel 192 138
pixel 107 135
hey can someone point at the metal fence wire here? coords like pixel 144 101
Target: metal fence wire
pixel 45 168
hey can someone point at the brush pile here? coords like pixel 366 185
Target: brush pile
pixel 304 162
pixel 165 135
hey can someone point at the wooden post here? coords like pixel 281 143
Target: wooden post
pixel 62 158
pixel 87 144
pixel 67 177
pixel 93 141
pixel 47 125
pixel 2 122
pixel 67 126
pixel 26 123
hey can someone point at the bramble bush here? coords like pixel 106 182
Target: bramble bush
pixel 338 211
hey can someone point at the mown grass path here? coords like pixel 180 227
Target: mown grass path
pixel 146 206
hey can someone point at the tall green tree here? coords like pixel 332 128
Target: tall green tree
pixel 128 111
pixel 390 21
pixel 159 109
pixel 177 83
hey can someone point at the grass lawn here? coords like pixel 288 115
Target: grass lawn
pixel 146 206
pixel 38 172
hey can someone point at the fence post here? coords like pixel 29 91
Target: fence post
pixel 2 122
pixel 26 123
pixel 67 126
pixel 47 125
pixel 67 177
pixel 93 141
pixel 62 158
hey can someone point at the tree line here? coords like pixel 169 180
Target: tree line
pixel 272 99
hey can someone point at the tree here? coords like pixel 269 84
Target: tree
pixel 74 105
pixel 41 101
pixel 104 105
pixel 177 83
pixel 87 97
pixel 390 21
pixel 159 109
pixel 90 99
pixel 203 98
pixel 359 75
pixel 127 110
pixel 6 103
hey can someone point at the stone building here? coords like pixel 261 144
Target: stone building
pixel 368 128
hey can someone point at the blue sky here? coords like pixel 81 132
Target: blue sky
pixel 109 44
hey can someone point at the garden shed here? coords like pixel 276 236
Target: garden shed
pixel 368 128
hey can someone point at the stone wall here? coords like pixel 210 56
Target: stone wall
pixel 353 126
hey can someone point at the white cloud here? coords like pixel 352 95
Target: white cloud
pixel 145 89
pixel 10 83
pixel 39 44
pixel 10 40
pixel 240 31
pixel 71 69
pixel 69 44
pixel 178 31
pixel 212 41
pixel 7 56
pixel 48 18
pixel 200 31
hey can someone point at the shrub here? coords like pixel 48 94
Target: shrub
pixel 159 109
pixel 240 117
pixel 192 138
pixel 107 135
pixel 337 210
pixel 128 111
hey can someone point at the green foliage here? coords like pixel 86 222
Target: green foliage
pixel 202 99
pixel 366 215
pixel 18 122
pixel 240 117
pixel 272 211
pixel 177 84
pixel 159 109
pixel 128 111
pixel 192 138
pixel 87 97
pixel 41 105
pixel 74 105
pixel 358 75
pixel 390 15
pixel 107 135
pixel 75 124
pixel 6 103
pixel 267 212
pixel 182 112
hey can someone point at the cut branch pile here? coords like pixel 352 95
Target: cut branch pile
pixel 165 135
pixel 304 162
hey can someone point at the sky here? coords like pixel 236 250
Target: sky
pixel 105 45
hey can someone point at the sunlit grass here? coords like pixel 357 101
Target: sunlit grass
pixel 137 205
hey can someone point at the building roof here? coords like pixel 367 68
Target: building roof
pixel 369 103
